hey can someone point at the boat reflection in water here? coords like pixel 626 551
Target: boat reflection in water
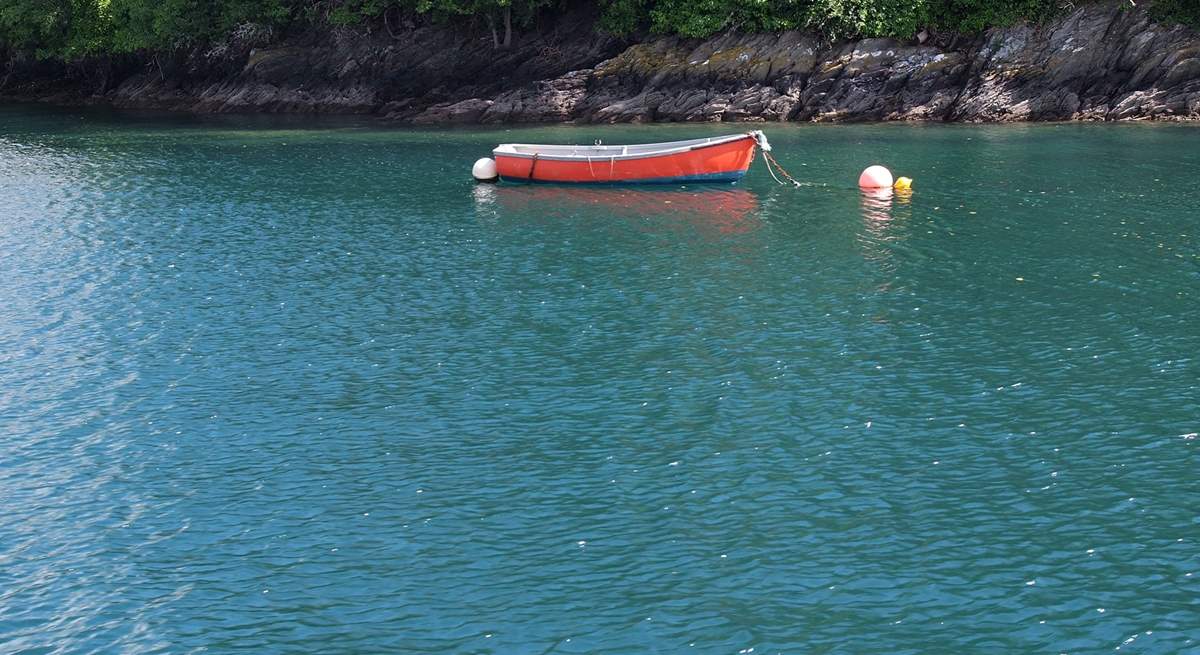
pixel 877 204
pixel 724 211
pixel 884 229
pixel 879 207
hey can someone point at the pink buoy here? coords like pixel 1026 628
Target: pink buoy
pixel 875 177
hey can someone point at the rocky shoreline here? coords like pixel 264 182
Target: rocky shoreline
pixel 1102 61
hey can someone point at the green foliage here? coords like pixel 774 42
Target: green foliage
pixel 698 18
pixel 868 18
pixel 622 16
pixel 70 29
pixel 832 18
pixel 977 15
pixel 350 12
pixel 1186 12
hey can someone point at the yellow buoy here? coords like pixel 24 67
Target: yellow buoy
pixel 903 184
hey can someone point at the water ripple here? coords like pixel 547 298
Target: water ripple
pixel 273 387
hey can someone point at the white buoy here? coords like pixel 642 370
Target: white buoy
pixel 484 170
pixel 875 177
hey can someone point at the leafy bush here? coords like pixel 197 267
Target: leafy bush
pixel 969 16
pixel 869 18
pixel 54 27
pixel 832 18
pixel 71 29
pixel 1186 12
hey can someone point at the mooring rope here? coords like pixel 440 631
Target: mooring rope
pixel 767 163
pixel 772 162
pixel 532 165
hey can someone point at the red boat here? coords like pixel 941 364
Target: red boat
pixel 714 159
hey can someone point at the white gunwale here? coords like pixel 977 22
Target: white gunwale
pixel 612 153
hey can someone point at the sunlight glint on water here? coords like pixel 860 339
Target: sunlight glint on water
pixel 276 385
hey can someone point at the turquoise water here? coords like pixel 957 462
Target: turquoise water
pixel 272 386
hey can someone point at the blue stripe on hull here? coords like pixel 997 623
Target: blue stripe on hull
pixel 710 178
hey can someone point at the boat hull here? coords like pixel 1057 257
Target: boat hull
pixel 718 162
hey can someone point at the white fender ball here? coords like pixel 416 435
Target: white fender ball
pixel 484 170
pixel 875 177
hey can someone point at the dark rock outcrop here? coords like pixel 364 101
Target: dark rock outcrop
pixel 1102 61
